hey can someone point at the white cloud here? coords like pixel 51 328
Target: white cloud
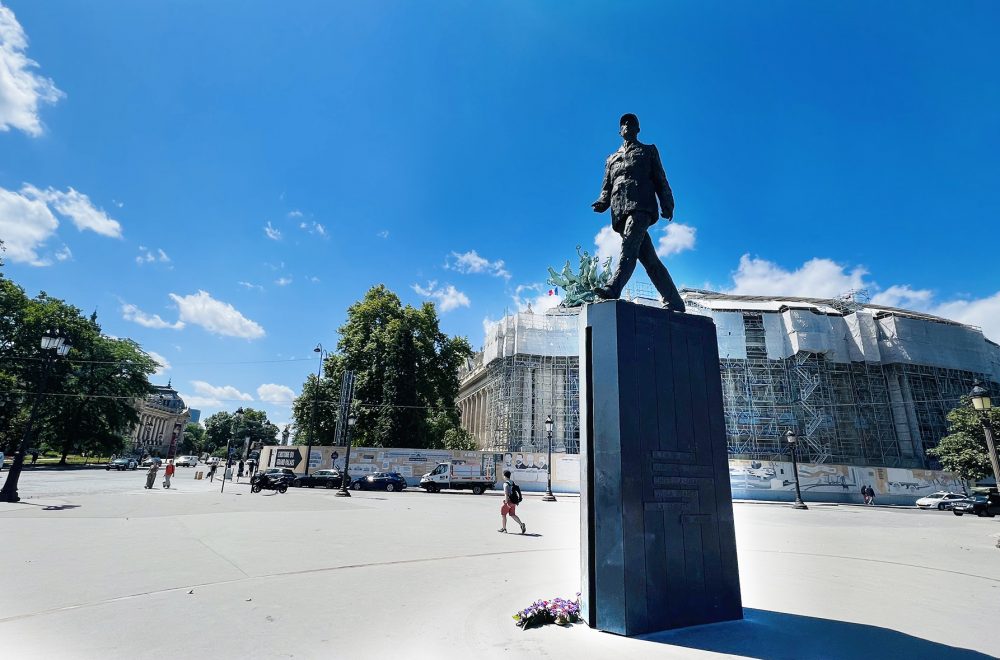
pixel 817 278
pixel 283 281
pixel 383 234
pixel 25 225
pixel 277 394
pixel 471 262
pixel 132 313
pixel 76 206
pixel 64 254
pixel 212 396
pixel 676 238
pixel 163 365
pixel 535 297
pixel 21 89
pixel 273 233
pixel 314 279
pixel 903 296
pixel 448 297
pixel 313 228
pixel 146 256
pixel 251 286
pixel 216 316
pixel 609 245
pixel 295 214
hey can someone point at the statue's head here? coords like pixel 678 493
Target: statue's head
pixel 628 127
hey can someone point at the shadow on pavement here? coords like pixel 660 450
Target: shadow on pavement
pixel 780 636
pixel 53 507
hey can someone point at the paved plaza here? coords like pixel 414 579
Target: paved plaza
pixel 98 567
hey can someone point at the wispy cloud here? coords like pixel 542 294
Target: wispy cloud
pixel 446 297
pixel 383 234
pixel 471 262
pixel 132 313
pixel 276 394
pixel 76 206
pixel 22 90
pixel 283 281
pixel 251 286
pixel 147 256
pixel 535 297
pixel 162 364
pixel 272 232
pixel 313 227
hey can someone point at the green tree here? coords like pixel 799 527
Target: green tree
pixel 223 427
pixel 324 394
pixel 964 449
pixel 193 441
pixel 406 375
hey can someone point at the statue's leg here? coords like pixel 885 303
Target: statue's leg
pixel 659 275
pixel 632 234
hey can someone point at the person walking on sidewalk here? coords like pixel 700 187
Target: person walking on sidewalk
pixel 239 470
pixel 167 473
pixel 511 498
pixel 151 474
pixel 870 500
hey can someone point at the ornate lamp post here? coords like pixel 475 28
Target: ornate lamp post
pixel 312 418
pixel 345 477
pixel 982 402
pixel 549 497
pixel 792 440
pixel 54 346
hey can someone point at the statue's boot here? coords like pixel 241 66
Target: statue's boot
pixel 605 293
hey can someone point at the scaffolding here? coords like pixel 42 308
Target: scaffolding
pixel 858 383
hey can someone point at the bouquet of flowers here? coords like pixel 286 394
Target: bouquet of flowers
pixel 559 611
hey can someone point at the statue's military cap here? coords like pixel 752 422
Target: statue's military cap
pixel 627 116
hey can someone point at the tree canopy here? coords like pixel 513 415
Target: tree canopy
pixel 964 449
pixel 223 427
pixel 87 398
pixel 406 377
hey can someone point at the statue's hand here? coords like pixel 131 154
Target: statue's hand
pixel 669 215
pixel 600 206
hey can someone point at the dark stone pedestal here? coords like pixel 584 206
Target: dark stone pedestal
pixel 658 544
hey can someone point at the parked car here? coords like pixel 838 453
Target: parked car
pixel 150 460
pixel 940 500
pixel 981 505
pixel 121 464
pixel 280 473
pixel 388 481
pixel 322 478
pixel 186 461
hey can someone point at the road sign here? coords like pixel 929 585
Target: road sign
pixel 287 458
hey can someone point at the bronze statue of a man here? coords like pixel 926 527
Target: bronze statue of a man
pixel 633 180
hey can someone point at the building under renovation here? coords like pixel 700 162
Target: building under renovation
pixel 860 384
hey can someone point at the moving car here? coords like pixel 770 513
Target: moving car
pixel 186 461
pixel 322 478
pixel 387 481
pixel 152 459
pixel 122 464
pixel 940 500
pixel 984 506
pixel 213 460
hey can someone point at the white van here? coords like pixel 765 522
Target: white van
pixel 186 461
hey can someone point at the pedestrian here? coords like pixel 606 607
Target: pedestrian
pixel 167 473
pixel 511 498
pixel 252 467
pixel 211 471
pixel 151 474
pixel 34 456
pixel 239 469
pixel 871 496
pixel 864 493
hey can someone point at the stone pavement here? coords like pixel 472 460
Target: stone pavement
pixel 121 572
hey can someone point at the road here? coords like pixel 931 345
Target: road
pixel 120 571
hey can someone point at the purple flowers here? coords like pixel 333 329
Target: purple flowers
pixel 559 611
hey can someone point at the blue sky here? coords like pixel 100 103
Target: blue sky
pixel 221 180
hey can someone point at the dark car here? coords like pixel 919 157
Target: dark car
pixel 984 506
pixel 122 464
pixel 388 481
pixel 321 478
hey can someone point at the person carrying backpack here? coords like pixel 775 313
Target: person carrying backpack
pixel 511 498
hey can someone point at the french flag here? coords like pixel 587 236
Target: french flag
pixel 554 292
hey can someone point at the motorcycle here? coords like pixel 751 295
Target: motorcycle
pixel 263 482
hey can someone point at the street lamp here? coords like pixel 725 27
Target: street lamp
pixel 792 440
pixel 345 476
pixel 53 345
pixel 982 403
pixel 312 419
pixel 549 497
